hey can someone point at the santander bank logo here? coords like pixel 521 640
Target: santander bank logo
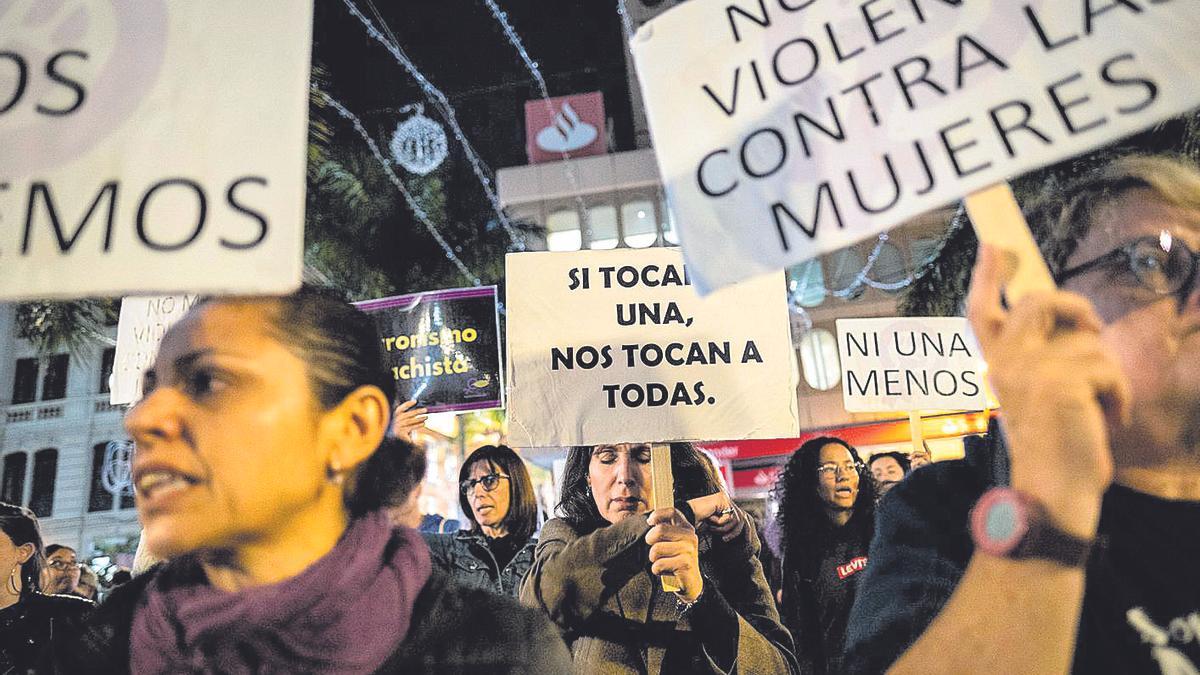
pixel 565 127
pixel 566 132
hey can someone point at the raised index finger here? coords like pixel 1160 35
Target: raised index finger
pixel 984 309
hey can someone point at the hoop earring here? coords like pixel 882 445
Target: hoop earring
pixel 12 583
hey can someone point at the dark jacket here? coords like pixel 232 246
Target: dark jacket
pixel 816 601
pixel 35 627
pixel 455 630
pixel 466 558
pixel 597 588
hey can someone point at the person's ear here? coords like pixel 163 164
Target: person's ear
pixel 355 428
pixel 25 552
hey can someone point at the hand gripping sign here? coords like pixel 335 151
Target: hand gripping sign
pixel 789 128
pixel 152 146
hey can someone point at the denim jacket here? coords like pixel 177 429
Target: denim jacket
pixel 465 557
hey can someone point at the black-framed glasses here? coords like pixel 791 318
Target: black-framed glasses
pixel 831 469
pixel 489 483
pixel 1162 264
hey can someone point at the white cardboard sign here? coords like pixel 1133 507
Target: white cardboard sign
pixel 152 146
pixel 143 322
pixel 615 346
pixel 789 128
pixel 910 364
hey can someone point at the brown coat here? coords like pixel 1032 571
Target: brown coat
pixel 598 590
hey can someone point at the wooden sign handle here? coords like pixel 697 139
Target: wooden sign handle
pixel 998 221
pixel 662 489
pixel 918 436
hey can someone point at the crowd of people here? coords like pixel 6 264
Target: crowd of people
pixel 277 482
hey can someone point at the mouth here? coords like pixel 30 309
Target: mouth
pixel 625 503
pixel 158 482
pixel 844 492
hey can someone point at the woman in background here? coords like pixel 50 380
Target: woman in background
pixel 496 495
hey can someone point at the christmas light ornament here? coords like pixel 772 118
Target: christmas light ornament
pixel 419 144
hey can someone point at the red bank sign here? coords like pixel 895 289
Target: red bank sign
pixel 565 127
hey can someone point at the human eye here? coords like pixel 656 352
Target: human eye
pixel 606 455
pixel 642 454
pixel 203 381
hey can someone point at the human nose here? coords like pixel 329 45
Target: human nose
pixel 155 417
pixel 627 469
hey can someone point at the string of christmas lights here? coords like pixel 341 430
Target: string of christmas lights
pixel 532 66
pixel 395 180
pixel 438 98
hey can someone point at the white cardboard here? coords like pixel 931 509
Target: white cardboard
pixel 151 108
pixel 747 397
pixel 910 364
pixel 1084 72
pixel 143 322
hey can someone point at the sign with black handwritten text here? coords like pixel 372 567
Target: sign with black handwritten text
pixel 910 364
pixel 141 326
pixel 789 128
pixel 615 346
pixel 152 147
pixel 442 348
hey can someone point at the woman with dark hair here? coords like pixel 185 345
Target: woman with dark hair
pixel 826 518
pixel 598 571
pixel 496 495
pixel 32 625
pixel 260 417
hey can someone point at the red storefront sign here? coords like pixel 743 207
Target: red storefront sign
pixel 567 125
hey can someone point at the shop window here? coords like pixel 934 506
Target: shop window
pixel 602 226
pixel 819 359
pixel 12 484
pixel 806 283
pixel 25 384
pixel 637 220
pixel 562 231
pixel 45 473
pixel 54 382
pixel 106 368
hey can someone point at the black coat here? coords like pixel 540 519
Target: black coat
pixel 35 627
pixel 454 630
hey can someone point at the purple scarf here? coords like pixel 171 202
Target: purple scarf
pixel 347 613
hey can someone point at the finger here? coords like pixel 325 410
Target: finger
pixel 739 527
pixel 667 549
pixel 677 565
pixel 660 533
pixel 665 516
pixel 984 310
pixel 1039 316
pixel 1113 393
pixel 403 407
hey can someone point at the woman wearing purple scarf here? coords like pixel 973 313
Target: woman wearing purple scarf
pixel 259 416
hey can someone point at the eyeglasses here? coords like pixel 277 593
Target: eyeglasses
pixel 1162 264
pixel 489 483
pixel 63 565
pixel 830 469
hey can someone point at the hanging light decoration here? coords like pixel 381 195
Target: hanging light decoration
pixel 419 144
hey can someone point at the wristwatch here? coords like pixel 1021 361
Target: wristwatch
pixel 1009 524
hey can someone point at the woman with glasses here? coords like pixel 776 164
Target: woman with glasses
pixel 32 624
pixel 600 567
pixel 496 495
pixel 826 518
pixel 261 418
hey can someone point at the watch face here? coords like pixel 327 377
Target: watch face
pixel 999 522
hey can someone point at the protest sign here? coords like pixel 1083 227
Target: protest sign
pixel 785 129
pixel 910 364
pixel 152 146
pixel 442 348
pixel 615 346
pixel 141 326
